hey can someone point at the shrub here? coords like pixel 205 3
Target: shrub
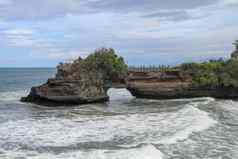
pixel 103 64
pixel 205 73
pixel 106 62
pixel 229 73
pixel 213 73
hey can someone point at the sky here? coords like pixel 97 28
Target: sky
pixel 150 32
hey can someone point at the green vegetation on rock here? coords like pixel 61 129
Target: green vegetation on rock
pixel 229 73
pixel 213 73
pixel 102 65
pixel 81 81
pixel 107 62
pixel 205 73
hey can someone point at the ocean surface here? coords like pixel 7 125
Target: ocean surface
pixel 124 128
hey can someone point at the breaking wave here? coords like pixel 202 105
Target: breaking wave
pixel 12 96
pixel 125 131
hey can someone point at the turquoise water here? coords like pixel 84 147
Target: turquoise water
pixel 124 128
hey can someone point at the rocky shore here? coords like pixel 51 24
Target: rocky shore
pixel 173 85
pixel 214 78
pixel 88 80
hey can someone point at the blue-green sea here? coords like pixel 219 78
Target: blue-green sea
pixel 124 128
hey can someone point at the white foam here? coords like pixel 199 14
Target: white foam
pixel 204 99
pixel 12 96
pixel 196 124
pixel 136 129
pixel 119 94
pixel 230 105
pixel 145 152
pixel 165 128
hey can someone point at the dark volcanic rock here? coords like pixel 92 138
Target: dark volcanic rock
pixel 66 92
pixel 82 81
pixel 178 92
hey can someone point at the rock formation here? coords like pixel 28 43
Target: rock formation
pixel 172 85
pixel 83 81
pixel 214 78
pixel 87 80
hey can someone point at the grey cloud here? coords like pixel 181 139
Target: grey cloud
pixel 28 9
pixel 170 15
pixel 127 5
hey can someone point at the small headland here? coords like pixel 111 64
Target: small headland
pixel 82 81
pixel 87 80
pixel 213 78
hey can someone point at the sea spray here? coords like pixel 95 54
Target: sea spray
pixel 13 95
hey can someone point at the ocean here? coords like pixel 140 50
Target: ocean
pixel 124 128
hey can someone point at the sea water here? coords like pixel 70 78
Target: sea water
pixel 124 128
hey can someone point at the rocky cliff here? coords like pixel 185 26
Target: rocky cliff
pixel 172 85
pixel 87 80
pixel 69 89
pixel 82 81
pixel 213 78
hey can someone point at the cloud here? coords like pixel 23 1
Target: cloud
pixel 24 38
pixel 176 15
pixel 18 37
pixel 5 2
pixel 68 55
pixel 19 32
pixel 58 54
pixel 151 4
pixel 28 9
pixel 229 2
pixel 151 31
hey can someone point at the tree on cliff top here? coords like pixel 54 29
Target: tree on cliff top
pixel 108 63
pixel 103 64
pixel 229 73
pixel 205 73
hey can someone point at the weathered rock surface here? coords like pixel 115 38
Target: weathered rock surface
pixel 172 85
pixel 87 81
pixel 66 92
pixel 80 82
